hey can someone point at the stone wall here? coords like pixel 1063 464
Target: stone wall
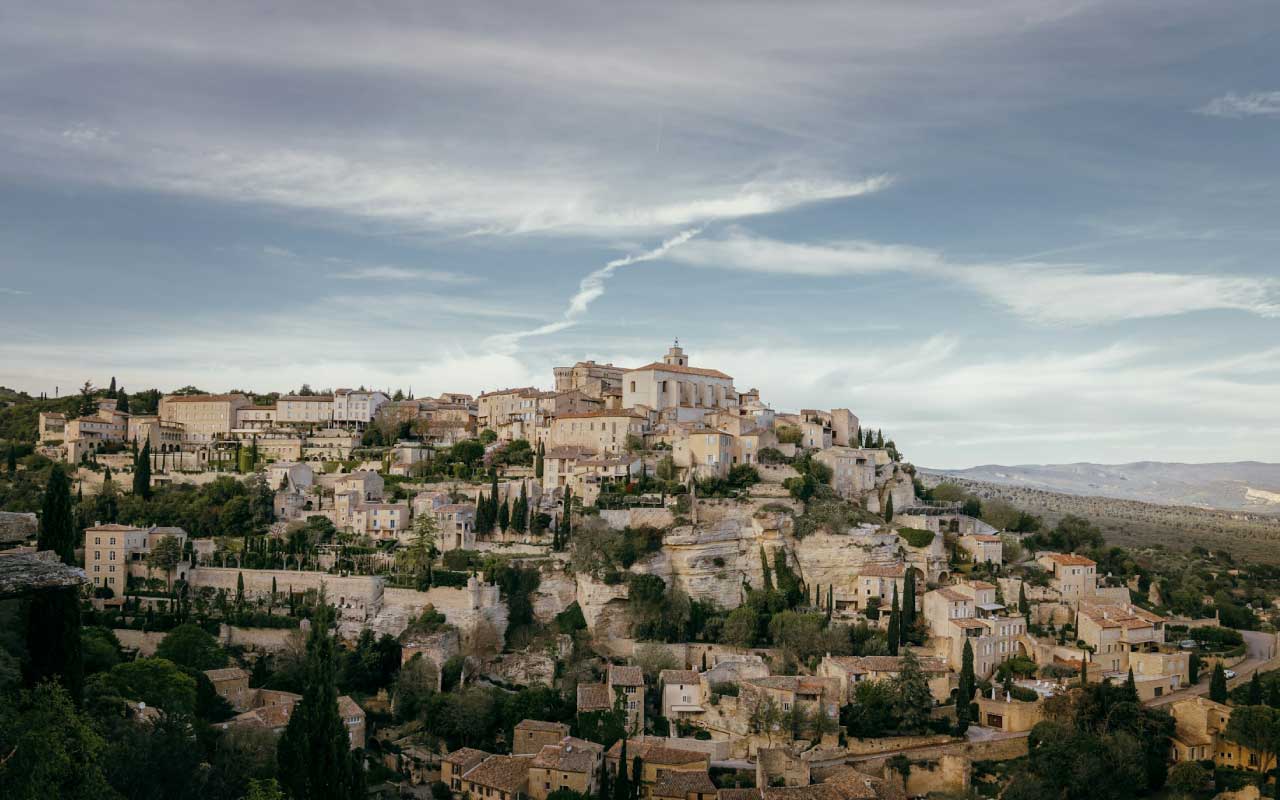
pixel 637 517
pixel 145 642
pixel 264 640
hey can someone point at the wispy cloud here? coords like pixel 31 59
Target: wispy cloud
pixel 6 290
pixel 1047 293
pixel 1237 106
pixel 390 273
pixel 590 289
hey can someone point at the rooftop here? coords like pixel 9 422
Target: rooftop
pixel 674 783
pixel 1071 560
pixel 658 366
pixel 571 755
pixel 625 676
pixel 679 676
pixel 541 725
pixel 594 697
pixel 226 674
pixel 504 773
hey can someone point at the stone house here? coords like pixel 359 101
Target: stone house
pixel 673 385
pixel 983 548
pixel 572 764
pixel 679 785
pixel 498 778
pixel 457 764
pixel 655 755
pixel 232 685
pixel 531 735
pixel 1071 575
pixel 1200 725
pixel 968 612
pixel 683 693
pixel 852 670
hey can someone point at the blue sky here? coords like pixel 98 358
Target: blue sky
pixel 1004 232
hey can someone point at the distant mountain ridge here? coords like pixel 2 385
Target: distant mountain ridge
pixel 1252 486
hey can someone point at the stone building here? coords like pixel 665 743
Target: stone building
pixel 571 763
pixel 671 385
pixel 531 735
pixel 968 612
pixel 204 417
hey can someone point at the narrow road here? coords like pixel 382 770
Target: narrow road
pixel 1260 655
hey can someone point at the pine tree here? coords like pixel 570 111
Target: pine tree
pixel 537 461
pixel 888 509
pixel 504 515
pixel 142 472
pixel 1255 690
pixel 768 576
pixel 1218 684
pixel 966 690
pixel 895 624
pixel 313 756
pixel 57 519
pixel 909 601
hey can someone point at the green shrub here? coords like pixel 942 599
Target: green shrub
pixel 915 537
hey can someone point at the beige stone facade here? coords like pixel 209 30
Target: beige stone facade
pixel 205 417
pixel 600 432
pixel 968 612
pixel 673 384
pixel 570 763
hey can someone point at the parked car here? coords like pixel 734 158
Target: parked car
pixel 1230 673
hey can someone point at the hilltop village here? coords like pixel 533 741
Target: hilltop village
pixel 640 584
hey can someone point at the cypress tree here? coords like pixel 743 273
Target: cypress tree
pixel 57 519
pixel 879 438
pixel 493 494
pixel 1024 608
pixel 965 692
pixel 122 401
pixel 895 624
pixel 622 786
pixel 888 509
pixel 566 518
pixel 768 576
pixel 1084 669
pixel 142 472
pixel 637 785
pixel 111 390
pixel 53 618
pixel 1255 690
pixel 313 755
pixel 1273 694
pixel 521 522
pixel 831 604
pixel 1131 686
pixel 909 601
pixel 1218 684
pixel 1193 669
pixel 504 515
pixel 537 461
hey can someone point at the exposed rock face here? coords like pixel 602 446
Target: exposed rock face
pixel 556 591
pixel 834 560
pixel 524 669
pixel 604 607
pixel 17 526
